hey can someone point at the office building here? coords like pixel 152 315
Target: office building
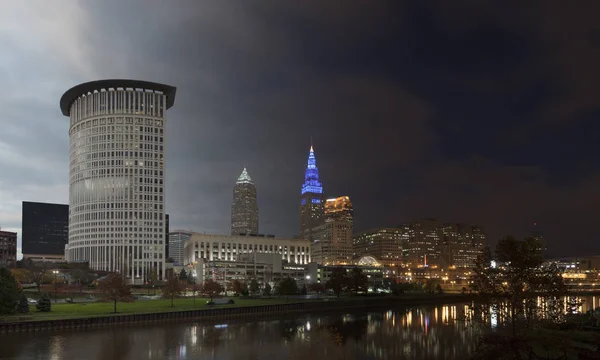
pixel 311 199
pixel 167 231
pixel 461 245
pixel 244 207
pixel 177 239
pixel 384 244
pixel 117 175
pixel 45 231
pixel 332 241
pixel 8 248
pixel 318 273
pixel 229 248
pixel 262 267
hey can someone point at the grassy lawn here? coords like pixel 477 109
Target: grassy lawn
pixel 95 309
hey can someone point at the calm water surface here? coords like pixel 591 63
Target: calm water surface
pixel 412 333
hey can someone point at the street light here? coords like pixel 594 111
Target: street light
pixel 55 273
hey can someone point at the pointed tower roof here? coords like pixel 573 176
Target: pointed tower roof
pixel 244 178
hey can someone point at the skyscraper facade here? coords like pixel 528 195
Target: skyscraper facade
pixel 385 244
pixel 45 231
pixel 244 207
pixel 311 199
pixel 177 239
pixel 332 240
pixel 117 175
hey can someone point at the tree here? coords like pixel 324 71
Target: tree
pixel 438 289
pixel 172 288
pixel 22 276
pixel 211 289
pixel 183 275
pixel 114 288
pixel 237 287
pixel 254 288
pixel 44 304
pixel 338 281
pixel 318 288
pixel 267 290
pixel 358 281
pixel 37 272
pixel 522 293
pixel 9 292
pixel 23 306
pixel 304 290
pixel 287 286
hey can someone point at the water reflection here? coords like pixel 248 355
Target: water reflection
pixel 414 333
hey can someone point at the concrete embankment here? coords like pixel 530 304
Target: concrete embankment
pixel 231 312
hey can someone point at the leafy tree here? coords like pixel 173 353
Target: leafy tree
pixel 211 289
pixel 237 287
pixel 431 285
pixel 338 281
pixel 357 280
pixel 22 276
pixel 114 288
pixel 254 288
pixel 44 304
pixel 287 286
pixel 172 288
pixel 23 306
pixel 267 290
pixel 318 288
pixel 37 272
pixel 183 275
pixel 9 292
pixel 438 288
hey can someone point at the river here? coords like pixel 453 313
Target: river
pixel 427 332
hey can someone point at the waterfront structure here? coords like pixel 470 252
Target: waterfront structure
pixel 177 239
pixel 230 247
pixel 385 244
pixel 8 248
pixel 311 199
pixel 244 207
pixel 332 240
pixel 45 231
pixel 262 267
pixel 117 175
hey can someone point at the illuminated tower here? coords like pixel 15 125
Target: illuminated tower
pixel 311 199
pixel 244 208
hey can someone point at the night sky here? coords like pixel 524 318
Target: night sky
pixel 466 111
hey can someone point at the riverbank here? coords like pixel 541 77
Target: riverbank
pixel 278 306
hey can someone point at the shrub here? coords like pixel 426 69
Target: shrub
pixel 44 304
pixel 23 306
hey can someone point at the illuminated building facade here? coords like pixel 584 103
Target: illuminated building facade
pixel 117 177
pixel 229 248
pixel 311 199
pixel 8 248
pixel 461 245
pixel 177 239
pixel 332 241
pixel 244 208
pixel 385 244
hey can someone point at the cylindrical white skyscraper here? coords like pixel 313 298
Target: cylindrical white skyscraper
pixel 117 176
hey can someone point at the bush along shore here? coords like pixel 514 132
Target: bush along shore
pixel 90 315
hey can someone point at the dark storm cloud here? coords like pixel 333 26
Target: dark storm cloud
pixel 469 111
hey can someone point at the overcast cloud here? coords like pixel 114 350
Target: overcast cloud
pixel 465 110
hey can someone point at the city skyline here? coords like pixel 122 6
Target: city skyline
pixel 483 124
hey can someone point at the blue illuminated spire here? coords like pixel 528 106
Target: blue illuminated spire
pixel 311 176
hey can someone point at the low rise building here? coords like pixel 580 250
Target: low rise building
pixel 317 273
pixel 231 247
pixel 8 248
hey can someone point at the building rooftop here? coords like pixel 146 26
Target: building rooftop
pixel 112 84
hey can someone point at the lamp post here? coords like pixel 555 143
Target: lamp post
pixel 55 273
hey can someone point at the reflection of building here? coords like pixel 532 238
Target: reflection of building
pixel 116 177
pixel 45 231
pixel 244 208
pixel 8 248
pixel 332 241
pixel 264 268
pixel 385 244
pixel 177 239
pixel 322 273
pixel 311 199
pixel 229 248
